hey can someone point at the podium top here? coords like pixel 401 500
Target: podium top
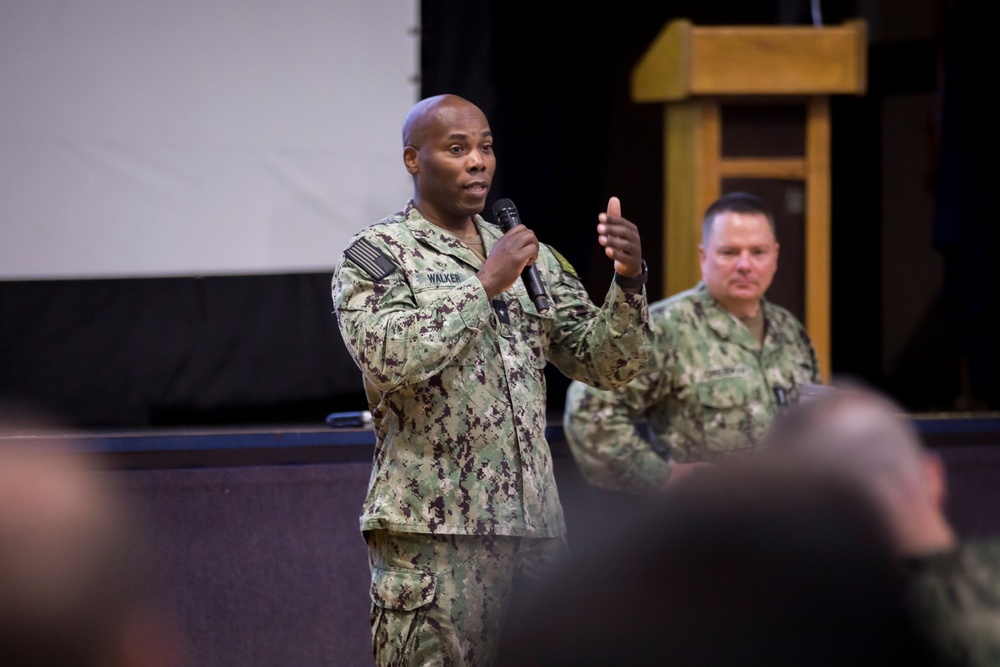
pixel 687 60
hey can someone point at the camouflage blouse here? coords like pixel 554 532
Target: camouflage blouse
pixel 956 598
pixel 710 391
pixel 455 381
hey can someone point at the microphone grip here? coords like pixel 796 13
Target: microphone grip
pixel 533 283
pixel 507 217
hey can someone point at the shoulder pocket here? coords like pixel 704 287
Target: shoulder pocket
pixel 402 590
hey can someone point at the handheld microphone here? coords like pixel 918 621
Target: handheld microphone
pixel 506 216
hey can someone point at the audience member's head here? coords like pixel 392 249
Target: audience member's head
pixel 760 562
pixel 70 581
pixel 865 434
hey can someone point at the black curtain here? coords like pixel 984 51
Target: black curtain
pixel 175 351
pixel 965 231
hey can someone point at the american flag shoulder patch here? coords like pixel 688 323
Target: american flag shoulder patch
pixel 370 259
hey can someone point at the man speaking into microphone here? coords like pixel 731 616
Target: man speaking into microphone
pixel 462 506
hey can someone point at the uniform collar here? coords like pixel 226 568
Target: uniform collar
pixel 446 243
pixel 727 326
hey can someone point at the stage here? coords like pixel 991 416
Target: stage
pixel 254 541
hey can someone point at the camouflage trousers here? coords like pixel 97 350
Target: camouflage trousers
pixel 441 600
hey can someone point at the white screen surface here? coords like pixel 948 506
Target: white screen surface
pixel 198 137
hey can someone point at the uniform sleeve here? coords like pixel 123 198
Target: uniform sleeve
pixel 811 352
pixel 394 340
pixel 954 595
pixel 806 352
pixel 602 347
pixel 600 428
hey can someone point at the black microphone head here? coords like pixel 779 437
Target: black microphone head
pixel 505 214
pixel 502 204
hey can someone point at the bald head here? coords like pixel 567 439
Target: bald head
pixel 425 113
pixel 854 428
pixel 448 150
pixel 868 436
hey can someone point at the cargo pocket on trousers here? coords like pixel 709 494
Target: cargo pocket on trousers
pixel 399 610
pixel 401 590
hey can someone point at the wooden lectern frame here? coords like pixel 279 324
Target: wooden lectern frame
pixel 694 70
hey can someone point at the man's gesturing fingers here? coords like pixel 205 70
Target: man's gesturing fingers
pixel 620 239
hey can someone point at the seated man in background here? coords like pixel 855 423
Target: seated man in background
pixel 954 587
pixel 723 361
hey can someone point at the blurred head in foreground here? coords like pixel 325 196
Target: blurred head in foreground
pixel 866 435
pixel 70 582
pixel 758 562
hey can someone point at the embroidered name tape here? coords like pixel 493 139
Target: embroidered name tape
pixel 725 372
pixel 445 278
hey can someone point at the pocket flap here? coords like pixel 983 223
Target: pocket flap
pixel 402 590
pixel 722 394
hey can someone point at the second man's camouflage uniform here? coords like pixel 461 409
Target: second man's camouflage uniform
pixel 956 597
pixel 710 391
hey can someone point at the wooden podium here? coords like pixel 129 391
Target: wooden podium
pixel 747 108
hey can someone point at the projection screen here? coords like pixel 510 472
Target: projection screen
pixel 198 137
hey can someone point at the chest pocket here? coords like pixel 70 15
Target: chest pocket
pixel 425 292
pixel 529 329
pixel 727 415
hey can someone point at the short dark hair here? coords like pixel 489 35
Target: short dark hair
pixel 736 202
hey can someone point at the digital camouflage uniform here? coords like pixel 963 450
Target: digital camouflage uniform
pixel 956 595
pixel 456 389
pixel 710 390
